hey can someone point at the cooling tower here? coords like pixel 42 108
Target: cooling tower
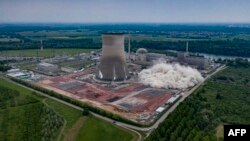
pixel 112 65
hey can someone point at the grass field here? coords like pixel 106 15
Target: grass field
pixel 26 115
pixel 23 115
pixel 96 130
pixel 69 114
pixel 44 53
pixel 23 92
pixel 9 40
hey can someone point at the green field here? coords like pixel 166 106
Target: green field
pixel 25 115
pixel 75 34
pixel 44 53
pixel 96 130
pixel 59 34
pixel 69 114
pixel 223 99
pixel 9 40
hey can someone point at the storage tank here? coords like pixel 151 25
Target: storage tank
pixel 112 65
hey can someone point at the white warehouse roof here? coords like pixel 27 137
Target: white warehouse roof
pixel 172 99
pixel 160 109
pixel 46 64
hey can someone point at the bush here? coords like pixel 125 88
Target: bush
pixel 85 112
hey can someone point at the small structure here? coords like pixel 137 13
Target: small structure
pixel 13 70
pixel 67 69
pixel 173 99
pixel 160 109
pixel 20 75
pixel 141 54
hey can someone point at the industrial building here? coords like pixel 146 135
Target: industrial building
pixel 47 68
pixel 20 75
pixel 143 55
pixel 112 65
pixel 199 62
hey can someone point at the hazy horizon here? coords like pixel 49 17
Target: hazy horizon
pixel 129 11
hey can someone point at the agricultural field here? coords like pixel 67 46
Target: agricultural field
pixel 25 115
pixel 224 99
pixel 9 40
pixel 44 53
pixel 95 35
pixel 59 35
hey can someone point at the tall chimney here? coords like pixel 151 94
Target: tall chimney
pixel 41 48
pixel 187 47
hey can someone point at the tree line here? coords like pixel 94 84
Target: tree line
pixel 3 66
pixel 219 47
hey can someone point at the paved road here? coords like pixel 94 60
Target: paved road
pixel 132 127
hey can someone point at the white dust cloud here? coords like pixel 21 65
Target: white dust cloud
pixel 175 76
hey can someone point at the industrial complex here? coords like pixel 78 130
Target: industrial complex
pixel 109 78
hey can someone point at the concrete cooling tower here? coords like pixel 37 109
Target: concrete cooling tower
pixel 112 65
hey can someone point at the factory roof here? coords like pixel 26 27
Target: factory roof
pixel 160 109
pixel 13 70
pixel 17 74
pixel 46 64
pixel 172 99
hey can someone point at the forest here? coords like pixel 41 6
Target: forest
pixel 223 99
pixel 3 66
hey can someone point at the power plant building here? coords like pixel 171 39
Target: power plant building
pixel 112 65
pixel 199 61
pixel 47 68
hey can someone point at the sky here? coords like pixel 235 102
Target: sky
pixel 125 11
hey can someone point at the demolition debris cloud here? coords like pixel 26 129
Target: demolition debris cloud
pixel 176 76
